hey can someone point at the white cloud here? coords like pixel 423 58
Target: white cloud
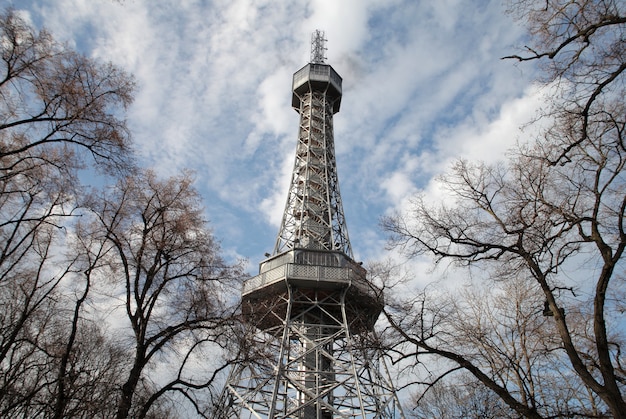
pixel 423 83
pixel 274 204
pixel 476 138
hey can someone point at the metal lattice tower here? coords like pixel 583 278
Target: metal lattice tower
pixel 311 351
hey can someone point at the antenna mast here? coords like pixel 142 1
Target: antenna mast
pixel 318 47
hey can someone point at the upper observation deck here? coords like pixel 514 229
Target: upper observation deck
pixel 317 78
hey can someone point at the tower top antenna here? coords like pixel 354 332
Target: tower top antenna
pixel 318 47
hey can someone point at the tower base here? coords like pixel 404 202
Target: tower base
pixel 310 366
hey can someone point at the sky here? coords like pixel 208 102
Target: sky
pixel 423 84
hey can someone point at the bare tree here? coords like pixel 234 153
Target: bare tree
pixel 53 98
pixel 580 46
pixel 64 352
pixel 460 398
pixel 165 265
pixel 88 364
pixel 553 214
pixel 540 221
pixel 500 333
pixel 57 108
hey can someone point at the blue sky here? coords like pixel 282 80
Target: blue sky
pixel 423 84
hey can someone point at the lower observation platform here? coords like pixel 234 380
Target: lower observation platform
pixel 315 274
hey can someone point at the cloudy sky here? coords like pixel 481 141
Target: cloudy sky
pixel 423 84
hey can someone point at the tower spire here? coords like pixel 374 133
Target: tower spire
pixel 318 47
pixel 312 350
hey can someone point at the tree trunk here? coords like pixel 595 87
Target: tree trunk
pixel 128 389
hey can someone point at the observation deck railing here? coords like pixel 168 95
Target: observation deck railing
pixel 322 276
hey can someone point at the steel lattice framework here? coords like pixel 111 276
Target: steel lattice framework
pixel 312 351
pixel 321 362
pixel 313 216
